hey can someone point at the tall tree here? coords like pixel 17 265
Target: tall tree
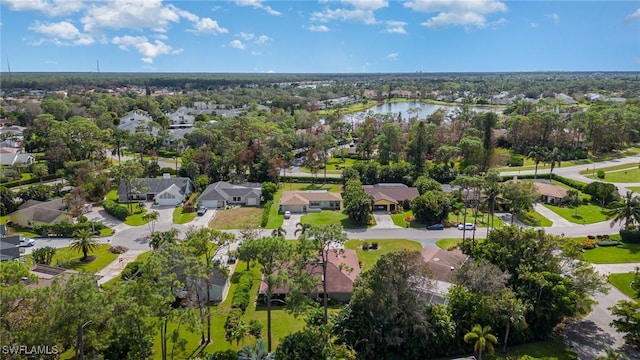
pixel 83 242
pixel 273 254
pixel 357 204
pixel 538 155
pixel 553 158
pixel 626 211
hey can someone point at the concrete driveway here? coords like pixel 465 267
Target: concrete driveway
pixel 384 221
pixel 289 225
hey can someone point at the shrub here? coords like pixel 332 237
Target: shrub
pixel 116 210
pixel 516 160
pixel 118 249
pixel 365 245
pixel 232 322
pixel 630 236
pixel 67 229
pixel 265 213
pixel 129 270
pixel 600 174
pixel 588 244
pixel 189 205
pixel 607 243
pixel 374 246
pixel 68 264
pixel 591 237
pixel 241 297
pixel 43 255
pixel 268 190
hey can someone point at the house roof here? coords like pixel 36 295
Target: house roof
pixel 47 274
pixel 10 159
pixel 551 190
pixel 442 262
pixel 304 197
pixel 173 190
pixel 222 190
pixel 9 249
pixel 157 185
pixel 340 279
pixel 42 211
pixel 391 191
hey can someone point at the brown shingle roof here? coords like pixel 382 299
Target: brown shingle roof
pixel 442 263
pixel 304 197
pixel 552 190
pixel 391 192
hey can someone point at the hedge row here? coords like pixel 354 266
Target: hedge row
pixel 265 213
pixel 241 297
pixel 189 205
pixel 232 323
pixel 33 180
pixel 114 209
pixel 630 236
pixel 66 230
pixel 306 179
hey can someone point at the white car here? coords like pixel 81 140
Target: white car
pixel 27 242
pixel 467 226
pixel 287 214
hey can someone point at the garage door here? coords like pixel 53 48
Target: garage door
pixel 252 202
pixel 211 204
pixel 380 207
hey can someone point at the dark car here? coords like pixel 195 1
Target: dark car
pixel 202 210
pixel 435 227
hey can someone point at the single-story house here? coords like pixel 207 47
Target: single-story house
pixel 34 212
pixel 442 264
pixel 166 191
pixel 9 248
pixel 342 271
pixel 550 193
pixel 9 159
pixel 389 197
pixel 48 274
pixel 221 193
pixel 309 200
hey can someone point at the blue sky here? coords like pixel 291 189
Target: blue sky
pixel 324 36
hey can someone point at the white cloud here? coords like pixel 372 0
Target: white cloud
pixel 395 27
pixel 246 36
pixel 555 18
pixel 367 4
pixel 207 26
pixel 237 44
pixel 533 25
pixel 257 4
pixel 318 28
pixel 457 12
pixel 361 15
pixel 49 7
pixel 62 33
pixel 148 50
pixel 132 14
pixel 271 71
pixel 634 16
pixel 262 39
pixel 392 56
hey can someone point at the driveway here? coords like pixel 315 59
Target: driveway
pixel 384 221
pixel 289 225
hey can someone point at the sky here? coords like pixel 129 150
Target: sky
pixel 319 36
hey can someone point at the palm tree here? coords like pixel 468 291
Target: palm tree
pixel 626 211
pixel 256 352
pixel 537 155
pixel 301 229
pixel 83 242
pixel 554 158
pixel 483 339
pixel 151 218
pixel 279 232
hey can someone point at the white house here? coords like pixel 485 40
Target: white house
pixel 170 196
pixel 136 120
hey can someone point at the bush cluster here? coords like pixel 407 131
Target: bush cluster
pixel 130 269
pixel 190 204
pixel 607 243
pixel 232 322
pixel 370 246
pixel 588 244
pixel 241 297
pixel 68 264
pixel 118 249
pixel 630 236
pixel 116 210
pixel 516 160
pixel 600 174
pixel 265 213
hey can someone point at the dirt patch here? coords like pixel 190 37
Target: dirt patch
pixel 237 218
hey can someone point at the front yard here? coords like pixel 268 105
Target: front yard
pixel 327 217
pixel 275 218
pixel 586 214
pixel 623 253
pixel 367 258
pixel 534 218
pixel 97 261
pixel 623 283
pixel 483 219
pixel 237 218
pixel 623 176
pixel 181 217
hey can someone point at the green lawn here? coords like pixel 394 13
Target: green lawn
pixel 534 218
pixel 626 176
pixel 446 244
pixel 136 219
pixel 483 219
pixel 548 350
pixel 334 166
pixel 398 219
pixel 106 232
pixel 587 214
pixel 181 217
pixel 369 257
pixel 609 168
pixel 352 108
pixel 275 218
pixel 635 189
pixel 112 195
pixel 326 217
pixel 102 258
pixel 623 253
pixel 623 283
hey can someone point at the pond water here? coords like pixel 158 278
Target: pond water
pixel 406 110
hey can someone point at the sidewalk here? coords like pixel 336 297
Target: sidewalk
pixel 114 269
pixel 555 218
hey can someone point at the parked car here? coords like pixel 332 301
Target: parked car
pixel 287 214
pixel 435 227
pixel 467 226
pixel 202 210
pixel 26 242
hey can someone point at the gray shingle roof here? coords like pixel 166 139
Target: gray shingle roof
pixel 155 186
pixel 222 190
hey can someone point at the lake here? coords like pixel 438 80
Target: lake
pixel 407 110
